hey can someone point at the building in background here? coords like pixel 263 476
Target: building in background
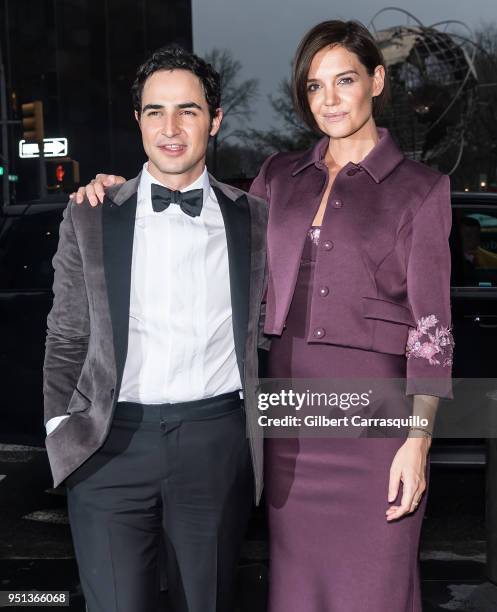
pixel 79 58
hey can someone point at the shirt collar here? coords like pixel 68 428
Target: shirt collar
pixel 202 182
pixel 378 163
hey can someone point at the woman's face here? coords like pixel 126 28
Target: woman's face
pixel 340 91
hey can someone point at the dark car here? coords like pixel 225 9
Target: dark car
pixel 28 240
pixel 474 283
pixel 473 243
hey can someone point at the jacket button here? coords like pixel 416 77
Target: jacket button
pixel 319 332
pixel 338 203
pixel 111 393
pixel 323 291
pixel 328 245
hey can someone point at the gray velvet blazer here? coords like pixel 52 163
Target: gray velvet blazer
pixel 87 333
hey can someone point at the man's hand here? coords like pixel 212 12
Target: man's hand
pixel 408 467
pixel 95 190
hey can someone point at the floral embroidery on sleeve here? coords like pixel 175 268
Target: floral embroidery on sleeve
pixel 430 342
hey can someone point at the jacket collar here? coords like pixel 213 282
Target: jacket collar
pixel 232 193
pixel 123 192
pixel 378 163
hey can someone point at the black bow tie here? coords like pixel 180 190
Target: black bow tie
pixel 190 202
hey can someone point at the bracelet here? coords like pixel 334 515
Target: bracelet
pixel 428 434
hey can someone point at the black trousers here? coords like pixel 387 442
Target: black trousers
pixel 173 474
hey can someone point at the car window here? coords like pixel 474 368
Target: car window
pixel 26 252
pixel 473 245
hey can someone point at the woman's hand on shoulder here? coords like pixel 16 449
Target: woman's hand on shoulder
pixel 95 189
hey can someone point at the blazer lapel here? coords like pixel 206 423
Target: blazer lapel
pixel 118 225
pixel 289 220
pixel 236 218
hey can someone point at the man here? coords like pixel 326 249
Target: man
pixel 152 335
pixel 474 253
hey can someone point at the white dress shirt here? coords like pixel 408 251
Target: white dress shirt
pixel 180 343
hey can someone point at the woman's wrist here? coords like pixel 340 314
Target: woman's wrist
pixel 419 432
pixel 421 439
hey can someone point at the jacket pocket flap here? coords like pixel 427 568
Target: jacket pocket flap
pixel 375 308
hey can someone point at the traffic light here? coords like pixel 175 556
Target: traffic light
pixel 13 178
pixel 63 174
pixel 60 173
pixel 32 121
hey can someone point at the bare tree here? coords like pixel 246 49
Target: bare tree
pixel 480 155
pixel 289 134
pixel 237 96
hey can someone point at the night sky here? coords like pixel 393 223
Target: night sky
pixel 263 34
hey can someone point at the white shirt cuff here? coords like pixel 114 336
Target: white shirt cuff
pixel 53 423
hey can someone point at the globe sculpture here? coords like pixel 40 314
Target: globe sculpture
pixel 433 84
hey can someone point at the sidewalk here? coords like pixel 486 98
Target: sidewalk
pixel 36 549
pixel 447 585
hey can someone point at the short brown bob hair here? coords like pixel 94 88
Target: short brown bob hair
pixel 353 36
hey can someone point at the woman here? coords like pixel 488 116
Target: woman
pixel 358 286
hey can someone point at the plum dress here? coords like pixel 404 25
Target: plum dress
pixel 331 547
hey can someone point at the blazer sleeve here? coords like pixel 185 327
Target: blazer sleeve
pixel 430 344
pixel 68 323
pixel 260 188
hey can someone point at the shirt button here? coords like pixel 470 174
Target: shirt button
pixel 352 171
pixel 338 203
pixel 111 393
pixel 319 332
pixel 328 245
pixel 323 291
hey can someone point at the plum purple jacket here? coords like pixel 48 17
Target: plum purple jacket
pixel 382 276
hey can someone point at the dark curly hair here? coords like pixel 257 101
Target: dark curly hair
pixel 177 58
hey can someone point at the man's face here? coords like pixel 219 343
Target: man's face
pixel 175 124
